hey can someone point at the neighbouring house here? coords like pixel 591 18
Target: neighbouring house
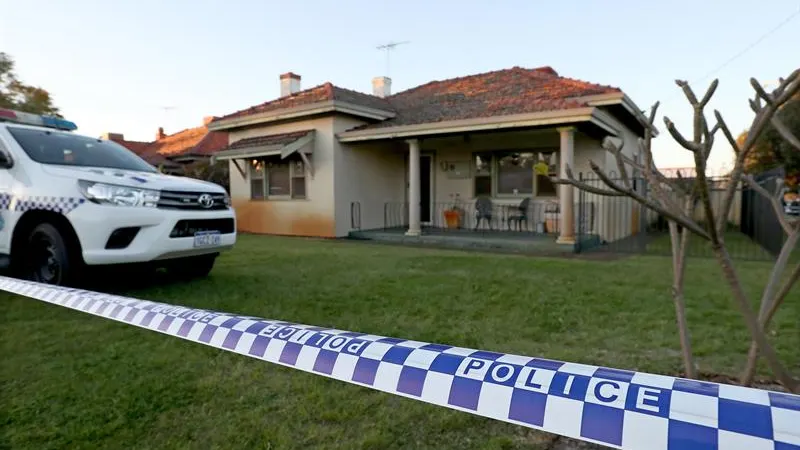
pixel 171 152
pixel 321 161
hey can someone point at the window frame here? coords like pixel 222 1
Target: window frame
pixel 494 166
pixel 297 170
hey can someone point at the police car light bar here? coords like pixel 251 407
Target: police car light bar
pixel 11 115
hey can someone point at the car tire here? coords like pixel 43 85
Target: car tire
pixel 48 258
pixel 193 267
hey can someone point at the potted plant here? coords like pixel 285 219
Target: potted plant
pixel 454 214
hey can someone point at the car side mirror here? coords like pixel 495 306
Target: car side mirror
pixel 5 160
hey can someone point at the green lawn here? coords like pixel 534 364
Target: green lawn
pixel 739 245
pixel 71 380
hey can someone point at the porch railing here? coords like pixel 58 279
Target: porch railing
pixel 536 218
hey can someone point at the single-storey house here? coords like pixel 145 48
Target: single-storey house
pixel 171 152
pixel 321 161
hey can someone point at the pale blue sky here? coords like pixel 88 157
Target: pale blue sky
pixel 113 65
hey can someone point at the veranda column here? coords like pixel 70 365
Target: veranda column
pixel 413 188
pixel 566 191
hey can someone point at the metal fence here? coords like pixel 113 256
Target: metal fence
pixel 759 221
pixel 623 225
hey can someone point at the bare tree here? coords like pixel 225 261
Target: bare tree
pixel 677 199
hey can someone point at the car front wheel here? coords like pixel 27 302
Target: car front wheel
pixel 47 257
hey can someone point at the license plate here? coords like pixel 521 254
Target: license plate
pixel 207 239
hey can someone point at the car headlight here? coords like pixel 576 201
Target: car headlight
pixel 227 199
pixel 112 194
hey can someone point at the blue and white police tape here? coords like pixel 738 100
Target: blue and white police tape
pixel 617 408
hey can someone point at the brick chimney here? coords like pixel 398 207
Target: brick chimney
pixel 382 86
pixel 207 120
pixel 112 136
pixel 160 133
pixel 290 83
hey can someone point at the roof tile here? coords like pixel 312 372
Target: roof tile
pixel 502 92
pixel 272 139
pixel 192 141
pixel 317 94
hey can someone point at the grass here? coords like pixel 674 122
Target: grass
pixel 739 245
pixel 73 380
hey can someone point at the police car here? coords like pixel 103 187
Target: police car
pixel 68 202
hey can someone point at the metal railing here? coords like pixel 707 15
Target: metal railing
pixel 623 225
pixel 493 217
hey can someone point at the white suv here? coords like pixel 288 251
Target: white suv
pixel 69 201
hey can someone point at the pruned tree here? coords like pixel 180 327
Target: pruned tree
pixel 677 199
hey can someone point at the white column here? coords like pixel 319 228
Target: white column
pixel 566 191
pixel 414 198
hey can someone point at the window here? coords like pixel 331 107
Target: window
pixel 515 173
pixel 256 180
pixel 298 179
pixel 483 174
pixel 277 179
pixel 69 149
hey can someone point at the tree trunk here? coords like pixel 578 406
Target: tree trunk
pixel 751 320
pixel 678 271
pixel 764 320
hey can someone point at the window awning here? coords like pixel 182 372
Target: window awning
pixel 283 145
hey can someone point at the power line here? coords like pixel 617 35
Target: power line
pixel 742 52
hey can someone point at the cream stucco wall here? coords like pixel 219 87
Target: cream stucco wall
pixel 370 174
pixel 312 216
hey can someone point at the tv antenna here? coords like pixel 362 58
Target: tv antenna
pixel 388 47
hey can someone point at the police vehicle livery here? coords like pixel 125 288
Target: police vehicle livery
pixel 69 201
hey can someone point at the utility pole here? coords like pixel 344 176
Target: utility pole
pixel 388 47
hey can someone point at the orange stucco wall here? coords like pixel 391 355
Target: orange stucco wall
pixel 267 217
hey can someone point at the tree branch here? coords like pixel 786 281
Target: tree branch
pixel 727 132
pixel 786 90
pixel 688 145
pixel 774 199
pixel 676 216
pixel 617 152
pixel 785 132
pixel 581 185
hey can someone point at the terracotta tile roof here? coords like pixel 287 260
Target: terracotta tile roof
pixel 134 146
pixel 213 142
pixel 180 142
pixel 191 142
pixel 502 92
pixel 318 94
pixel 272 139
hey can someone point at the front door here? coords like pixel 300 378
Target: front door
pixel 425 162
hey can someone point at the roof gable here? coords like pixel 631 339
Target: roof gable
pixel 319 94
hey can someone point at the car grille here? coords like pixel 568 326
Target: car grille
pixel 189 201
pixel 186 228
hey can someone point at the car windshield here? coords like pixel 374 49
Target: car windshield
pixel 49 147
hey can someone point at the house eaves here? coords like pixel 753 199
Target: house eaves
pixel 558 117
pixel 330 106
pixel 619 98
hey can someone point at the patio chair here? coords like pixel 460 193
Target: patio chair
pixel 483 210
pixel 519 214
